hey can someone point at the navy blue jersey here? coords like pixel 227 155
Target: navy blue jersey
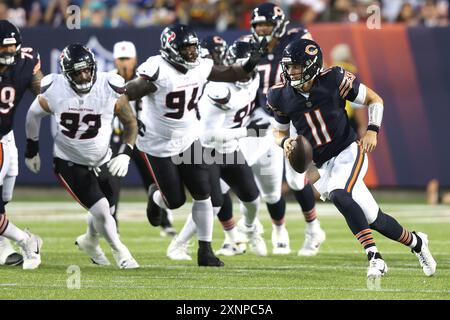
pixel 321 117
pixel 269 67
pixel 14 81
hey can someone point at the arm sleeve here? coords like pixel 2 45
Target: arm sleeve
pixel 33 120
pixel 149 70
pixel 282 121
pixel 347 83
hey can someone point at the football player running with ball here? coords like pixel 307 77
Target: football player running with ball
pixel 314 101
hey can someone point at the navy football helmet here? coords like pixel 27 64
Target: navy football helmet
pixel 305 53
pixel 174 39
pixel 9 35
pixel 239 52
pixel 75 58
pixel 271 13
pixel 216 47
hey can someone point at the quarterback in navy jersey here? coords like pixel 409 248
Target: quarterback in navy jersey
pixel 314 101
pixel 268 23
pixel 19 71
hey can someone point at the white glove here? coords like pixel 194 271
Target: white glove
pixel 118 166
pixel 33 164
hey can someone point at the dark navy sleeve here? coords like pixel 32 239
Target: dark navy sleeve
pixel 348 84
pixel 274 105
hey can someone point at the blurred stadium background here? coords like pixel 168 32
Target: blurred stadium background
pixel 405 58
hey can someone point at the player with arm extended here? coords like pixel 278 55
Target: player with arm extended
pixel 83 102
pixel 225 109
pixel 20 69
pixel 171 85
pixel 125 60
pixel 314 101
pixel 268 23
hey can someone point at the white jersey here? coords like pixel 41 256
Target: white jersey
pixel 225 109
pixel 83 121
pixel 170 114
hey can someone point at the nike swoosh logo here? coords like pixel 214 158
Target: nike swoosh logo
pixel 37 248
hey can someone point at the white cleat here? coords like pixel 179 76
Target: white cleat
pixel 377 267
pixel 124 259
pixel 426 260
pixel 257 243
pixel 31 251
pixel 230 248
pixel 280 240
pixel 314 237
pixel 91 247
pixel 178 251
pixel 9 256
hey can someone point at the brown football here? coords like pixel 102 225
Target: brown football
pixel 301 156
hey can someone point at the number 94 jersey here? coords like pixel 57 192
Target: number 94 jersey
pixel 13 84
pixel 171 114
pixel 84 122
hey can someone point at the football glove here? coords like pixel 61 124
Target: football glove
pixel 257 53
pixel 118 166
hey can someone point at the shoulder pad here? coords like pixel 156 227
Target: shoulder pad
pixel 220 95
pixel 116 82
pixel 47 81
pixel 149 70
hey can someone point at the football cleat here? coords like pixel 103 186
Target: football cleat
pixel 206 258
pixel 9 256
pixel 257 243
pixel 230 248
pixel 314 237
pixel 280 240
pixel 377 267
pixel 91 247
pixel 124 259
pixel 426 260
pixel 31 251
pixel 178 251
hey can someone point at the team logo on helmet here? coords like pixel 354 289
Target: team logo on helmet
pixel 311 50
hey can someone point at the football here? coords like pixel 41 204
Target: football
pixel 301 156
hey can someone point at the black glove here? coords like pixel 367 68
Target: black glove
pixel 255 129
pixel 141 127
pixel 31 149
pixel 259 50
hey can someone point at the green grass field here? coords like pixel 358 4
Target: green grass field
pixel 338 272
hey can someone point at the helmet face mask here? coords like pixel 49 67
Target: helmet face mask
pixel 9 38
pixel 301 62
pixel 180 46
pixel 79 67
pixel 268 14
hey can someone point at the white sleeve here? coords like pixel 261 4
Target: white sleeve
pixel 280 126
pixel 360 98
pixel 116 83
pixel 33 120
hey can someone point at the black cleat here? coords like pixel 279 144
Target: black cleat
pixel 208 259
pixel 14 259
pixel 154 212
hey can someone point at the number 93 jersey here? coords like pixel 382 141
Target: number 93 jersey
pixel 84 122
pixel 13 84
pixel 171 114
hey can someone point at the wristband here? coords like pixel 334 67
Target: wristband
pixel 373 127
pixel 127 149
pixel 283 141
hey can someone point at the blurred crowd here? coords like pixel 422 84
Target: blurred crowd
pixel 218 14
